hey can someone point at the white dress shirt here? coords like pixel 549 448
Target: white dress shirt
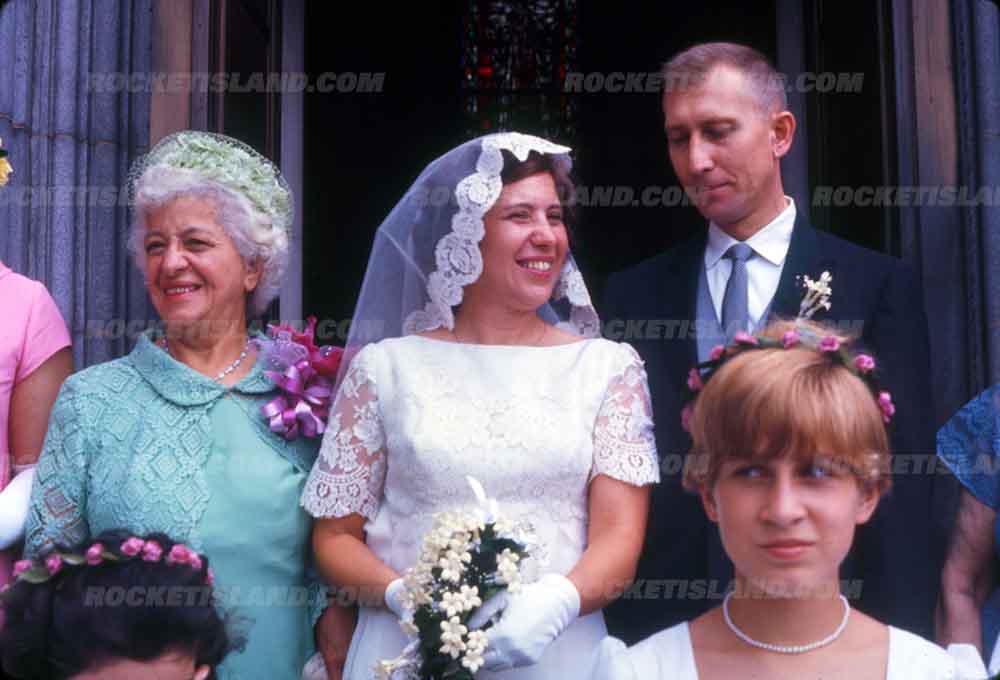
pixel 770 247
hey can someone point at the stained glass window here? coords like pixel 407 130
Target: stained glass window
pixel 515 57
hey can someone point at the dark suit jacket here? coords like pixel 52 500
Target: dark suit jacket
pixel 897 556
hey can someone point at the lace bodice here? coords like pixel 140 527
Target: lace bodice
pixel 414 416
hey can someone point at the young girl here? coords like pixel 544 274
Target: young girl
pixel 119 607
pixel 790 455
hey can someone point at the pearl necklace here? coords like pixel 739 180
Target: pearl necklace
pixel 785 649
pixel 226 371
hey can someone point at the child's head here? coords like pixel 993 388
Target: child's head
pixel 117 606
pixel 790 451
pixel 798 402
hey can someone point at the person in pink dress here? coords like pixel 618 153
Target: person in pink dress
pixel 35 358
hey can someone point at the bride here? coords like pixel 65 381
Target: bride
pixel 475 352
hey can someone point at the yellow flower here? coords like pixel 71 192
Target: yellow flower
pixel 5 168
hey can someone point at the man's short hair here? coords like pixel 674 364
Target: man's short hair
pixel 691 67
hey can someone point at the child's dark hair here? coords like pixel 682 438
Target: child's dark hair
pixel 135 598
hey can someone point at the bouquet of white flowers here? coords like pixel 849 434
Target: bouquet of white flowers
pixel 465 559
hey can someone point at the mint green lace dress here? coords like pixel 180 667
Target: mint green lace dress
pixel 147 444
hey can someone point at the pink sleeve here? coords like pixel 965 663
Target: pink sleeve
pixel 44 335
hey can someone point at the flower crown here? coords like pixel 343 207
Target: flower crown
pixel 35 572
pixel 228 162
pixel 861 365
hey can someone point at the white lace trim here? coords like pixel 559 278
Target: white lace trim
pixel 350 470
pixel 458 259
pixel 624 443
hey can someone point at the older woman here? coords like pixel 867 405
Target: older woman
pixel 170 438
pixel 486 364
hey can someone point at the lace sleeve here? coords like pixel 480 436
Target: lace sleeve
pixel 58 496
pixel 349 473
pixel 624 447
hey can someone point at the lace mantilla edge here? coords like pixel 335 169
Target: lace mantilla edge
pixel 457 257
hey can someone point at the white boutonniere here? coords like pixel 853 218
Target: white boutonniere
pixel 817 295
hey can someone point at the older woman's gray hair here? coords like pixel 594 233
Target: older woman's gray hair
pixel 253 231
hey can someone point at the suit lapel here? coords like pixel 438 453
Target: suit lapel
pixel 805 257
pixel 682 294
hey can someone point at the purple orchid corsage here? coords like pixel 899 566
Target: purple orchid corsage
pixel 305 375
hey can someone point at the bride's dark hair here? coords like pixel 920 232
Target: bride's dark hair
pixel 83 615
pixel 536 163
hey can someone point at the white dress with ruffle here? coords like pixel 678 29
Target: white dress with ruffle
pixel 415 416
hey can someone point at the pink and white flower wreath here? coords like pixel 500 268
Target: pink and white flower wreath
pixel 861 365
pixel 131 548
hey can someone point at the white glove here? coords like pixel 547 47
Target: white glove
pixel 14 501
pixel 531 620
pixel 394 593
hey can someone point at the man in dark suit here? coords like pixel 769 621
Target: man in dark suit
pixel 727 129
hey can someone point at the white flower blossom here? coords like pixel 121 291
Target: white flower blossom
pixel 507 571
pixel 470 597
pixel 453 603
pixel 453 565
pixel 817 295
pixel 473 660
pixel 452 631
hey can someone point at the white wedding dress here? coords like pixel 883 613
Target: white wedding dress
pixel 415 415
pixel 668 655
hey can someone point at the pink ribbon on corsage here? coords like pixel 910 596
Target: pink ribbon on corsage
pixel 304 404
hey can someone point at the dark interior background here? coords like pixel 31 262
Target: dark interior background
pixel 363 150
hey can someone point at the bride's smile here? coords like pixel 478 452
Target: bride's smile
pixel 524 247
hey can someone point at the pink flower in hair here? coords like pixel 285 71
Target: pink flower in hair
pixel 829 344
pixel 180 554
pixel 790 338
pixel 21 566
pixel 132 546
pixel 195 561
pixel 716 353
pixel 744 338
pixel 53 563
pixel 885 403
pixel 864 363
pixel 93 554
pixel 686 413
pixel 152 552
pixel 694 380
